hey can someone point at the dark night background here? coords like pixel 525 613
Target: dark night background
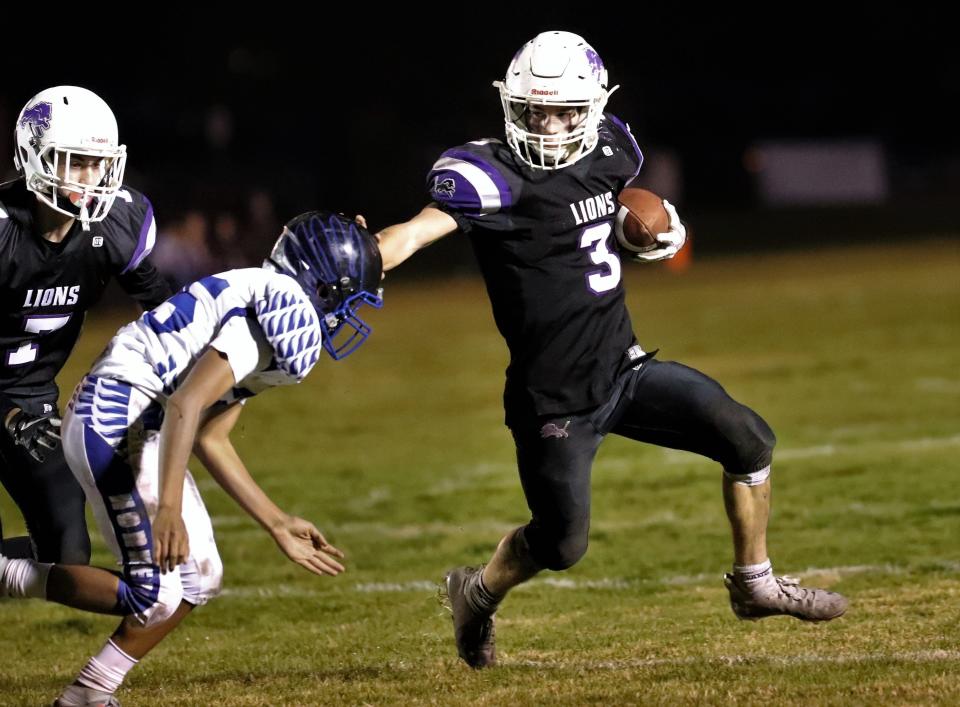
pixel 308 115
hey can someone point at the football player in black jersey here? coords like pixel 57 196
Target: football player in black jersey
pixel 539 212
pixel 67 227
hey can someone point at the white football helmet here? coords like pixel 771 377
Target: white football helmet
pixel 57 125
pixel 554 69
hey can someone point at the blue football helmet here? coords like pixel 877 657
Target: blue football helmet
pixel 337 263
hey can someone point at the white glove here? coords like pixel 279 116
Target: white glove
pixel 669 243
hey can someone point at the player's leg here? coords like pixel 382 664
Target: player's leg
pixel 554 458
pixel 748 510
pixel 121 483
pixel 52 504
pixel 103 674
pixel 17 547
pixel 672 405
pixel 93 589
pixel 200 578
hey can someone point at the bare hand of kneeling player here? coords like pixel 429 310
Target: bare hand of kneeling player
pixel 304 544
pixel 170 540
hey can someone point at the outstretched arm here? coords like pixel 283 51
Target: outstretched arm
pixel 399 242
pixel 298 539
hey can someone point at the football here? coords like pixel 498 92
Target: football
pixel 640 217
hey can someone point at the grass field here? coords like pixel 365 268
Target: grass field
pixel 400 456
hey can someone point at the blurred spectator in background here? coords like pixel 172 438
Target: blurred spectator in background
pixel 261 225
pixel 227 246
pixel 182 254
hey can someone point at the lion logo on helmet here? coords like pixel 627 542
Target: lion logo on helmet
pixel 37 119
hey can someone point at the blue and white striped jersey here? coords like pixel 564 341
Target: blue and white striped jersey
pixel 262 321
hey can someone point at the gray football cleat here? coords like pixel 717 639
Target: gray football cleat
pixel 473 631
pixel 789 599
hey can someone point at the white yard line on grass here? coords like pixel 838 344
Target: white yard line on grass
pixel 931 656
pixel 605 583
pixel 903 445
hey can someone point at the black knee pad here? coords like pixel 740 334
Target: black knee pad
pixel 553 549
pixel 753 442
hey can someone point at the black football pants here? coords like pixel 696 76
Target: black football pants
pixel 663 403
pixel 50 499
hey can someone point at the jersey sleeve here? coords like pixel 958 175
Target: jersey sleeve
pixel 137 223
pixel 135 230
pixel 146 285
pixel 238 342
pixel 468 183
pixel 291 327
pixel 623 140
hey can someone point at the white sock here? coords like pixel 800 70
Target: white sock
pixel 23 579
pixel 756 578
pixel 107 669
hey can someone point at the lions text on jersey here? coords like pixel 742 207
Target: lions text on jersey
pixel 46 288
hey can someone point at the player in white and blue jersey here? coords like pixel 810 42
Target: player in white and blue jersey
pixel 174 382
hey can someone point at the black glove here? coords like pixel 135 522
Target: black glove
pixel 33 433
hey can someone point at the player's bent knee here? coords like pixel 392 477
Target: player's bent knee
pixel 147 597
pixel 563 553
pixel 202 579
pixel 753 445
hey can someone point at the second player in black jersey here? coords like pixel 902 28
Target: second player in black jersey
pixel 67 227
pixel 539 210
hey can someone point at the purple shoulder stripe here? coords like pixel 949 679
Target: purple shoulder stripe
pixel 506 197
pixel 146 239
pixel 469 183
pixel 626 130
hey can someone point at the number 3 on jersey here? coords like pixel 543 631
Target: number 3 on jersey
pixel 598 280
pixel 38 324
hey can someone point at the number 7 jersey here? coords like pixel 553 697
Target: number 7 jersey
pixel 544 242
pixel 46 288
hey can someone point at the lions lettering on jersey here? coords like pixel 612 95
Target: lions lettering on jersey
pixel 593 208
pixel 47 287
pixel 56 296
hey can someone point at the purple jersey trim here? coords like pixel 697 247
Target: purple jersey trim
pixel 465 197
pixel 506 197
pixel 623 126
pixel 146 239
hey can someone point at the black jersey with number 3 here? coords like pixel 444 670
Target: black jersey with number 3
pixel 46 288
pixel 544 241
